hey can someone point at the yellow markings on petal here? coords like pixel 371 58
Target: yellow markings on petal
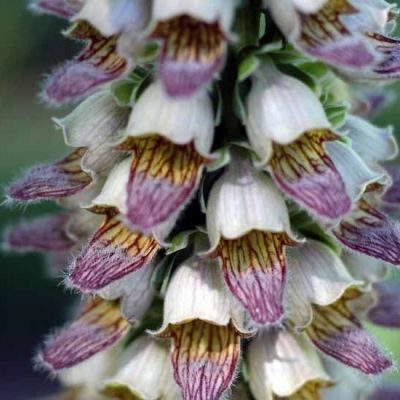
pixel 104 314
pixel 116 235
pixel 190 40
pixel 334 318
pixel 100 51
pixel 71 166
pixel 325 25
pixel 160 159
pixel 199 341
pixel 120 392
pixel 310 391
pixel 258 251
pixel 305 155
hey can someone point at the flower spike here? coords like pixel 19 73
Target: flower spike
pixel 226 203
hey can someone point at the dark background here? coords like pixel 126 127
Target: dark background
pixel 31 302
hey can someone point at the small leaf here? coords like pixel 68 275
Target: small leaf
pixel 247 67
pixel 224 158
pixel 179 242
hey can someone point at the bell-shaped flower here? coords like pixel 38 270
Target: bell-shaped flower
pixel 369 230
pixel 289 131
pixel 92 129
pixel 84 381
pixel 350 35
pixel 337 331
pixel 248 226
pixel 98 327
pixel 284 365
pixel 316 276
pixel 143 371
pixel 205 326
pixel 170 140
pixel 194 37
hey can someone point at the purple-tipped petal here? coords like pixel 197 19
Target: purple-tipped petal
pixel 337 332
pixel 46 234
pixel 386 311
pixel 304 171
pixel 61 179
pixel 112 253
pixel 99 326
pixel 352 52
pixel 254 269
pixel 371 232
pixel 159 187
pixel 59 8
pixel 98 63
pixel 333 34
pixel 204 359
pixel 193 53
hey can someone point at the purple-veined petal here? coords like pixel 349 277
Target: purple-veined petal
pixel 337 332
pixel 333 35
pixel 389 48
pixel 386 311
pixel 43 234
pixel 113 252
pixel 98 64
pixel 162 179
pixel 59 8
pixel 254 269
pixel 61 179
pixel 204 359
pixel 192 54
pixel 369 231
pixel 98 327
pixel 304 171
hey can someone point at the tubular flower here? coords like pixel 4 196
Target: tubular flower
pixel 170 140
pixel 288 129
pixel 205 330
pixel 285 365
pixel 259 234
pixel 230 236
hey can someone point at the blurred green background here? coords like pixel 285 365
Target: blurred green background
pixel 31 302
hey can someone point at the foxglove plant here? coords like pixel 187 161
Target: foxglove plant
pixel 225 208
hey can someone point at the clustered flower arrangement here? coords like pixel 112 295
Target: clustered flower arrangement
pixel 225 205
